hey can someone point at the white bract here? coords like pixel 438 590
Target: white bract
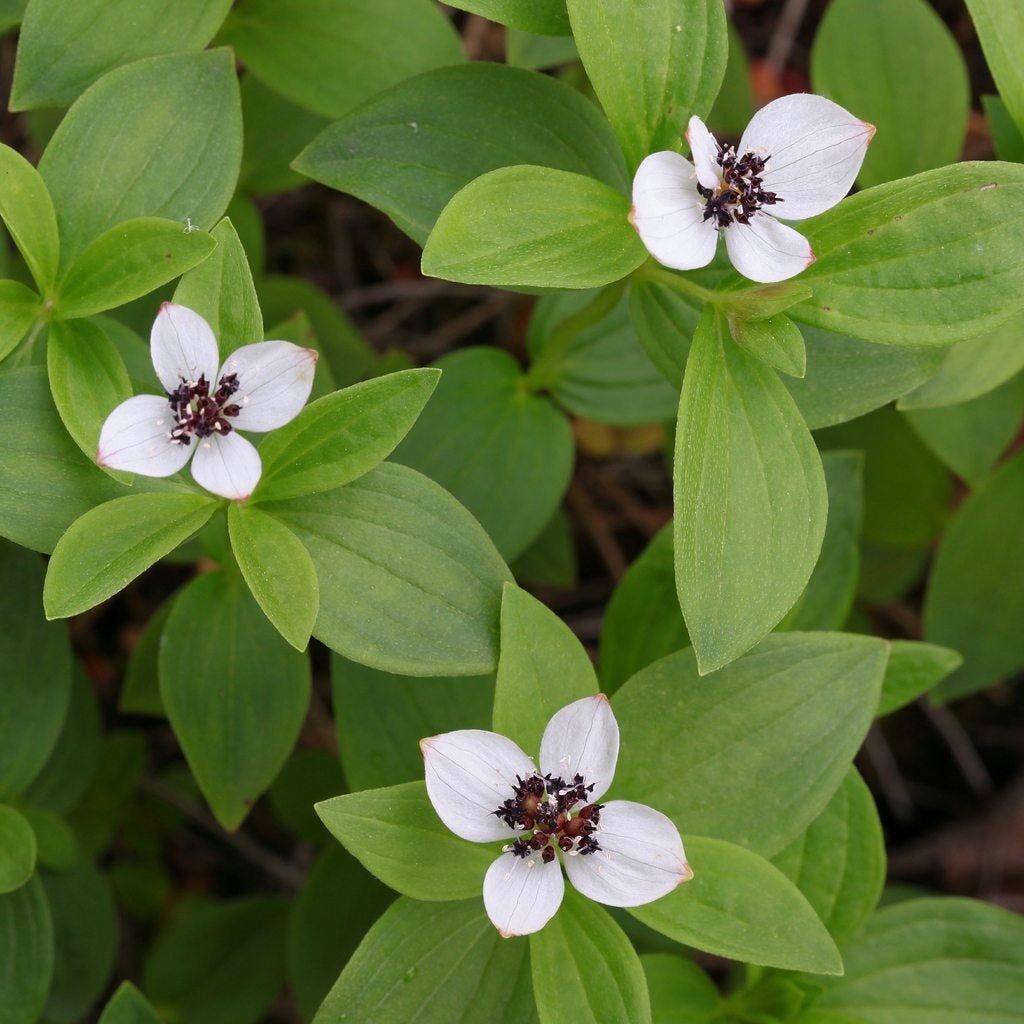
pixel 260 387
pixel 798 157
pixel 485 789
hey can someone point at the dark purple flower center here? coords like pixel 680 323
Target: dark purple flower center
pixel 546 810
pixel 740 195
pixel 199 413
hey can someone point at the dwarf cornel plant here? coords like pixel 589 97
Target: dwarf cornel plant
pixel 501 520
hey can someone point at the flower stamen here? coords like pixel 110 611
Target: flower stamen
pixel 200 414
pixel 740 195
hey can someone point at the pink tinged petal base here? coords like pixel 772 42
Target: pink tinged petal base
pixel 274 382
pixel 704 149
pixel 668 213
pixel 766 251
pixel 521 894
pixel 641 857
pixel 227 465
pixel 582 738
pixel 182 346
pixel 469 774
pixel 137 437
pixel 816 150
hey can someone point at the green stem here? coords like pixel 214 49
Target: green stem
pixel 544 370
pixel 652 271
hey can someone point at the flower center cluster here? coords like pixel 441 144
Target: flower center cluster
pixel 546 809
pixel 740 195
pixel 198 412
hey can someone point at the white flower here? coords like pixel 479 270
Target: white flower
pixel 260 387
pixel 798 157
pixel 485 789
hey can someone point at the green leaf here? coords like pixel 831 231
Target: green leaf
pixel 36 673
pixel 538 53
pixel 396 835
pixel 601 372
pixel 776 341
pixel 26 953
pixel 408 150
pixel 1000 27
pixel 940 253
pixel 652 65
pixel 861 60
pixel 140 692
pixel 551 559
pixel 531 226
pixel 308 776
pixel 85 940
pixel 276 131
pixel 542 668
pixel 503 452
pixel 17 850
pixel 128 1006
pixel 970 369
pixel 221 290
pixel 839 862
pixel 433 964
pixel 642 621
pixel 734 105
pixel 161 137
pixel 342 436
pixel 585 969
pixel 331 55
pixel 109 546
pixel 907 490
pixel 914 668
pixel 88 379
pixel 974 604
pixel 19 309
pixel 278 570
pixel 320 938
pixel 545 17
pixel 681 993
pixel 380 719
pixel 47 482
pixel 27 210
pixel 741 906
pixel 91 37
pixel 931 960
pixel 11 12
pixel 409 582
pixel 828 597
pixel 847 378
pixel 686 740
pixel 55 842
pixel 970 437
pixel 71 765
pixel 235 692
pixel 220 963
pixel 750 498
pixel 1006 136
pixel 127 262
pixel 348 355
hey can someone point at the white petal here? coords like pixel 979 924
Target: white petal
pixel 668 213
pixel 137 437
pixel 469 774
pixel 704 149
pixel 521 894
pixel 274 381
pixel 816 149
pixel 226 464
pixel 641 857
pixel 766 251
pixel 182 346
pixel 582 738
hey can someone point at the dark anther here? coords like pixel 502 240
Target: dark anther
pixel 546 810
pixel 197 412
pixel 740 195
